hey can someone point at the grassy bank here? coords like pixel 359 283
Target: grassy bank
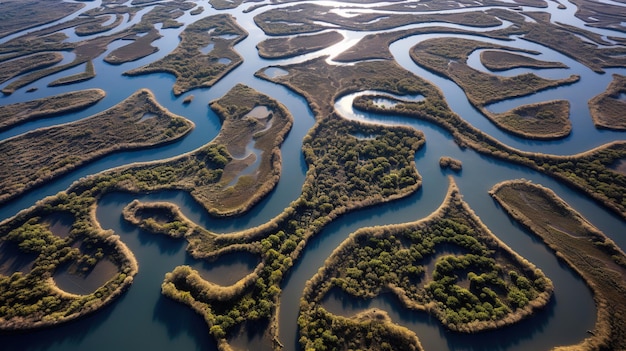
pixel 583 247
pixel 544 120
pixel 477 282
pixel 18 113
pixel 504 60
pixel 275 48
pixel 607 109
pixel 448 57
pixel 338 181
pixel 192 68
pixel 31 300
pixel 36 157
pixel 138 49
pixel 15 67
pixel 89 73
pixel 592 172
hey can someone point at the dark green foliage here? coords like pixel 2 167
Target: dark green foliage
pixel 448 264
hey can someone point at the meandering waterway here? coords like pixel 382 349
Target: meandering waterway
pixel 143 319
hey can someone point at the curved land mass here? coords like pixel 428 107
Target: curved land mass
pixel 157 217
pixel 51 40
pixel 13 19
pixel 545 120
pixel 594 172
pixel 496 60
pixel 276 48
pixel 477 283
pixel 192 68
pixel 31 300
pixel 15 67
pixel 18 113
pixel 36 157
pixel 559 37
pixel 583 247
pixel 211 174
pixel 89 73
pixel 138 49
pixel 607 109
pixel 338 181
pixel 564 39
pixel 448 57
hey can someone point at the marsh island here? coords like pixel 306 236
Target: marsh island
pixel 337 175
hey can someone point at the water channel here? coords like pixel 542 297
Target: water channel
pixel 142 318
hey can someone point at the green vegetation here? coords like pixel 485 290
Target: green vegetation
pixel 29 232
pixel 449 162
pixel 345 173
pixel 157 217
pixel 591 172
pixel 31 299
pixel 192 68
pixel 477 282
pixel 89 73
pixel 14 114
pixel 607 109
pixel 544 120
pixel 276 48
pixel 36 157
pixel 448 57
pixel 503 60
pixel 583 247
pixel 369 330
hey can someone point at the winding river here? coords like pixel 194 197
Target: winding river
pixel 143 319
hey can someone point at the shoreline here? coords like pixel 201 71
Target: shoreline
pixel 607 287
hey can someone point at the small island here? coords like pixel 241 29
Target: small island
pixel 18 113
pixel 607 109
pixel 205 54
pixel 583 247
pixel 448 264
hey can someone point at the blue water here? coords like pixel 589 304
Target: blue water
pixel 142 318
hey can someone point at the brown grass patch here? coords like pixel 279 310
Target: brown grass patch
pixel 583 247
pixel 608 111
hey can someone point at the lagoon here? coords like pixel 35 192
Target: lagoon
pixel 143 318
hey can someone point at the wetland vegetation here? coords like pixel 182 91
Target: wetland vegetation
pixel 39 156
pixel 476 283
pixel 582 246
pixel 607 109
pixel 194 69
pixel 448 265
pixel 15 114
